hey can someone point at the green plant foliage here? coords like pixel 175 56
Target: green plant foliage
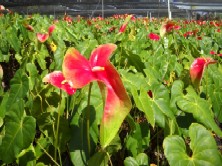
pixel 203 148
pixel 200 109
pixel 169 120
pixel 140 160
pixel 19 132
pixel 139 139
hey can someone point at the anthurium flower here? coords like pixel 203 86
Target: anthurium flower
pixel 153 36
pixel 212 52
pixel 197 69
pixel 167 27
pixel 57 79
pixel 42 37
pixel 51 29
pixel 124 25
pixel 29 27
pixel 122 28
pixel 78 72
pixel 67 18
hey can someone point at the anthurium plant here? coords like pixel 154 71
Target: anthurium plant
pixel 119 90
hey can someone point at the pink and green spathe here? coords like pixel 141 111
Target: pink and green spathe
pixel 197 69
pixel 77 72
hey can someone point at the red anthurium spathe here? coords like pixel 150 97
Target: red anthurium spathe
pixel 197 69
pixel 168 26
pixel 212 52
pixel 51 29
pixel 79 71
pixel 122 28
pixel 57 79
pixel 42 37
pixel 124 25
pixel 153 36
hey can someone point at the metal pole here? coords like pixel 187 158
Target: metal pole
pixel 169 12
pixel 102 9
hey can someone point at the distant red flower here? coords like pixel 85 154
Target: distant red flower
pixel 168 26
pixel 89 22
pixel 187 34
pixel 55 21
pixel 29 27
pixel 212 52
pixel 199 22
pixel 122 28
pixel 153 36
pixel 42 37
pixel 51 29
pixel 67 18
pixel 213 23
pixel 177 27
pixel 218 30
pixel 124 25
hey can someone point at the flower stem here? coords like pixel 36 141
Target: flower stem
pixel 47 154
pixel 88 118
pixel 57 132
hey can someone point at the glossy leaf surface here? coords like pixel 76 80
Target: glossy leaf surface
pixel 203 146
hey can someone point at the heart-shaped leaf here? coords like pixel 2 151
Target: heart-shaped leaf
pixel 203 146
pixel 19 132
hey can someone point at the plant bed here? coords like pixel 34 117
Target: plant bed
pixel 114 91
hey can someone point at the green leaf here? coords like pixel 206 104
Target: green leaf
pixel 19 132
pixel 33 74
pixel 138 139
pixel 139 93
pixel 130 161
pixel 59 55
pixel 143 103
pixel 200 109
pixel 176 93
pixel 161 104
pixel 13 38
pixel 140 160
pixel 47 123
pixel 203 146
pixel 41 55
pixel 213 89
pixel 135 60
pixel 19 87
pixel 27 157
pixel 78 144
pixel 3 108
pixel 98 159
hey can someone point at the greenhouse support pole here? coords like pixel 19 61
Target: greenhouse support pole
pixel 102 9
pixel 169 12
